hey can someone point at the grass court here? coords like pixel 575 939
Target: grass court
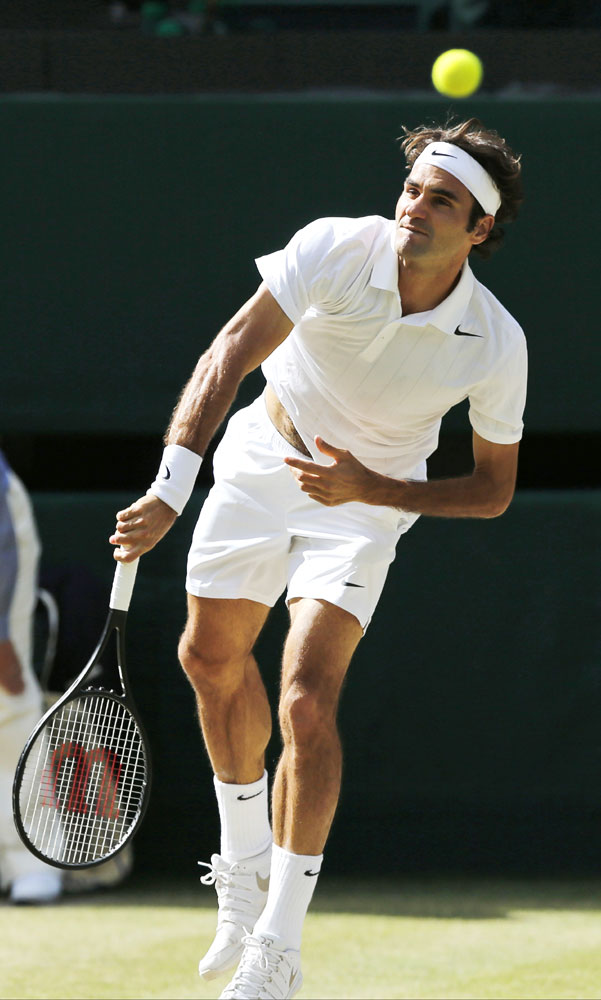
pixel 427 938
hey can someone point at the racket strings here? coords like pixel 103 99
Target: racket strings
pixel 83 781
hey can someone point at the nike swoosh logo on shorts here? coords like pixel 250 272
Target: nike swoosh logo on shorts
pixel 245 798
pixel 347 583
pixel 167 473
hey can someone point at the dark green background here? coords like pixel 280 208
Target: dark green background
pixel 129 226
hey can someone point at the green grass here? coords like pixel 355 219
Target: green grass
pixel 429 938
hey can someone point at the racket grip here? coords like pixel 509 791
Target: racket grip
pixel 123 585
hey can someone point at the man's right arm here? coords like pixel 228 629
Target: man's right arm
pixel 243 343
pixel 249 337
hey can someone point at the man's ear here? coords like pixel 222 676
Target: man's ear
pixel 481 230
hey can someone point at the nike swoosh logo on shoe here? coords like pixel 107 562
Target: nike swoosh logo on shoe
pixel 296 981
pixel 263 883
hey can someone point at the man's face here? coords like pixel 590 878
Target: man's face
pixel 432 217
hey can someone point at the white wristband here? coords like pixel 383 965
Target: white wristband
pixel 176 476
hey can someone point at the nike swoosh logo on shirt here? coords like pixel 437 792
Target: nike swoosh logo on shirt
pixel 464 333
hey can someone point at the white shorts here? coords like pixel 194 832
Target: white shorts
pixel 258 533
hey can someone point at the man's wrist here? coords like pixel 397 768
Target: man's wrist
pixel 386 491
pixel 176 476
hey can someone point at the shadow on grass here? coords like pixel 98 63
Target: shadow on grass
pixel 428 897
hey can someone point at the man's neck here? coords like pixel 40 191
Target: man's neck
pixel 421 289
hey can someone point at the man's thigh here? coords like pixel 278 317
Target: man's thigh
pixel 222 629
pixel 319 648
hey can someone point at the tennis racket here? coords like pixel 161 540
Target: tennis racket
pixel 82 782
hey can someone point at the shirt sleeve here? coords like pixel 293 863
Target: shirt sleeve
pixel 309 270
pixel 497 403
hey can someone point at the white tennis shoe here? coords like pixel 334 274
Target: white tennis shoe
pixel 242 894
pixel 36 888
pixel 265 972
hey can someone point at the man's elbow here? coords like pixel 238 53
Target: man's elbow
pixel 498 503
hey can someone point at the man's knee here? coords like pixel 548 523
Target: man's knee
pixel 306 716
pixel 211 657
pixel 214 649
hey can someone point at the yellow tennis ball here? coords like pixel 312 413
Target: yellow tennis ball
pixel 457 73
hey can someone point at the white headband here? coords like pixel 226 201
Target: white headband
pixel 466 169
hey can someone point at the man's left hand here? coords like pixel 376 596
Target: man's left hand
pixel 346 479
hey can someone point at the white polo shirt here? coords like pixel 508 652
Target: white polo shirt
pixel 357 372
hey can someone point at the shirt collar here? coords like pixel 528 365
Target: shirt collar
pixel 385 271
pixel 448 314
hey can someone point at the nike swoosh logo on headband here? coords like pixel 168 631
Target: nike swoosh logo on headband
pixel 436 153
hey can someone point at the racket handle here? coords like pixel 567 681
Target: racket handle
pixel 123 585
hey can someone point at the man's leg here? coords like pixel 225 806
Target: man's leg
pixel 319 647
pixel 216 653
pixel 318 651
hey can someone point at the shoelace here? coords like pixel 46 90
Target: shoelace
pixel 260 964
pixel 237 902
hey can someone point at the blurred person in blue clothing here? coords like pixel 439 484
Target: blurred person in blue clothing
pixel 27 879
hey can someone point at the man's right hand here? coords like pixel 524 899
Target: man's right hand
pixel 140 527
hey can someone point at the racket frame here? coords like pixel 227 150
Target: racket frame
pixel 116 622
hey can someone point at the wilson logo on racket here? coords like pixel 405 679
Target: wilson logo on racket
pixel 75 794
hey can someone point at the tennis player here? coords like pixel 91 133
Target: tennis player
pixel 367 330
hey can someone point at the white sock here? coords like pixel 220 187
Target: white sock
pixel 244 815
pixel 291 885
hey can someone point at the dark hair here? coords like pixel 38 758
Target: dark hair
pixel 491 152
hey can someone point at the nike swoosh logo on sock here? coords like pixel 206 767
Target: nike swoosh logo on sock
pixel 245 798
pixel 311 873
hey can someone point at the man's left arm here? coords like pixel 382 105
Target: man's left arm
pixel 486 492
